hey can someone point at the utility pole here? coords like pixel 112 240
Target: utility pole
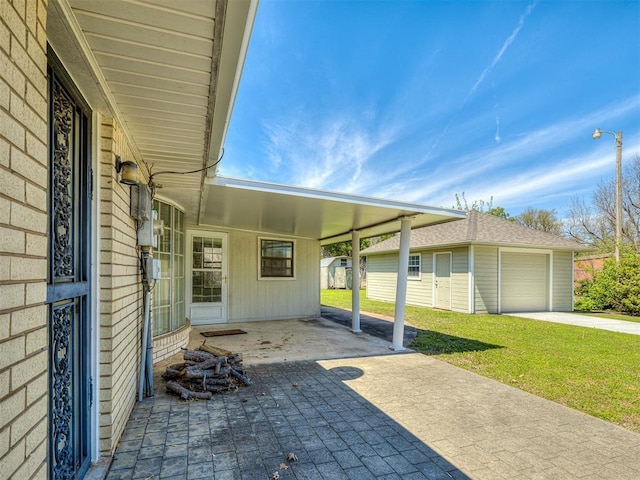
pixel 618 239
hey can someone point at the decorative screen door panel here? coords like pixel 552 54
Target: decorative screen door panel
pixel 443 281
pixel 69 284
pixel 207 278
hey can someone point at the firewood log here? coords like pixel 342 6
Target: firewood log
pixel 195 372
pixel 213 363
pixel 185 393
pixel 235 359
pixel 218 381
pixel 237 374
pixel 197 355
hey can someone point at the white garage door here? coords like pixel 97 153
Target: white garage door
pixel 524 282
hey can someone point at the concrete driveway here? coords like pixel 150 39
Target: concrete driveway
pixel 621 326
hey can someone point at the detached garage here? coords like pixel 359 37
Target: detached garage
pixel 481 264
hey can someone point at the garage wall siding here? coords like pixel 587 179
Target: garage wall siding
pixel 420 292
pixel 382 277
pixel 253 299
pixel 486 279
pixel 460 280
pixel 562 281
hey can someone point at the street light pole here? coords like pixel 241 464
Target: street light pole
pixel 596 135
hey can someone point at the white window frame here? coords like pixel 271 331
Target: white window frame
pixel 419 276
pixel 294 263
pixel 173 276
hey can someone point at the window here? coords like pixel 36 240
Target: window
pixel 168 293
pixel 276 258
pixel 414 267
pixel 206 276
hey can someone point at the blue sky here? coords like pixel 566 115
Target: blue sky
pixel 422 100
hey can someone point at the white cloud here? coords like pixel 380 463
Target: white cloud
pixel 514 172
pixel 507 43
pixel 329 153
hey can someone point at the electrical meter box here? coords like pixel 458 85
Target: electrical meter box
pixel 146 231
pixel 152 270
pixel 141 202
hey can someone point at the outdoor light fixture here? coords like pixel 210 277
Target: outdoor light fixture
pixel 128 171
pixel 596 135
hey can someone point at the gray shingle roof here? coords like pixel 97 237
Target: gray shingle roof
pixel 478 228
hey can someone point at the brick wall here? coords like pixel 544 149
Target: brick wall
pixel 23 239
pixel 167 345
pixel 121 307
pixel 583 268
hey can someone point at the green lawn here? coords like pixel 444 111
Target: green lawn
pixel 595 371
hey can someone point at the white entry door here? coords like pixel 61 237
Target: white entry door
pixel 442 281
pixel 206 279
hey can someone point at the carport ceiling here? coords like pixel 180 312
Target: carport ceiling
pixel 326 216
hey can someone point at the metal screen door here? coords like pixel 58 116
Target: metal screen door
pixel 207 277
pixel 68 278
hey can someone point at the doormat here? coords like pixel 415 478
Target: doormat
pixel 219 333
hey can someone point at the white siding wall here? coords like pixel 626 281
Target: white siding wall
pixel 382 277
pixel 562 282
pixel 420 292
pixel 460 280
pixel 486 279
pixel 253 299
pixel 381 280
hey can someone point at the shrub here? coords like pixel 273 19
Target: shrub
pixel 615 287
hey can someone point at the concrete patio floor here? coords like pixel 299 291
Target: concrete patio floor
pixel 349 408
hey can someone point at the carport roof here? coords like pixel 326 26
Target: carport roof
pixel 301 212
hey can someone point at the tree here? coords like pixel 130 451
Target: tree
pixel 593 222
pixel 343 248
pixel 540 219
pixel 499 212
pixel 480 206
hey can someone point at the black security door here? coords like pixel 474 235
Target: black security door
pixel 69 278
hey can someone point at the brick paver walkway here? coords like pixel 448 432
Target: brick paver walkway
pixel 402 416
pixel 296 407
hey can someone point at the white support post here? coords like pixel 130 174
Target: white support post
pixel 355 282
pixel 401 290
